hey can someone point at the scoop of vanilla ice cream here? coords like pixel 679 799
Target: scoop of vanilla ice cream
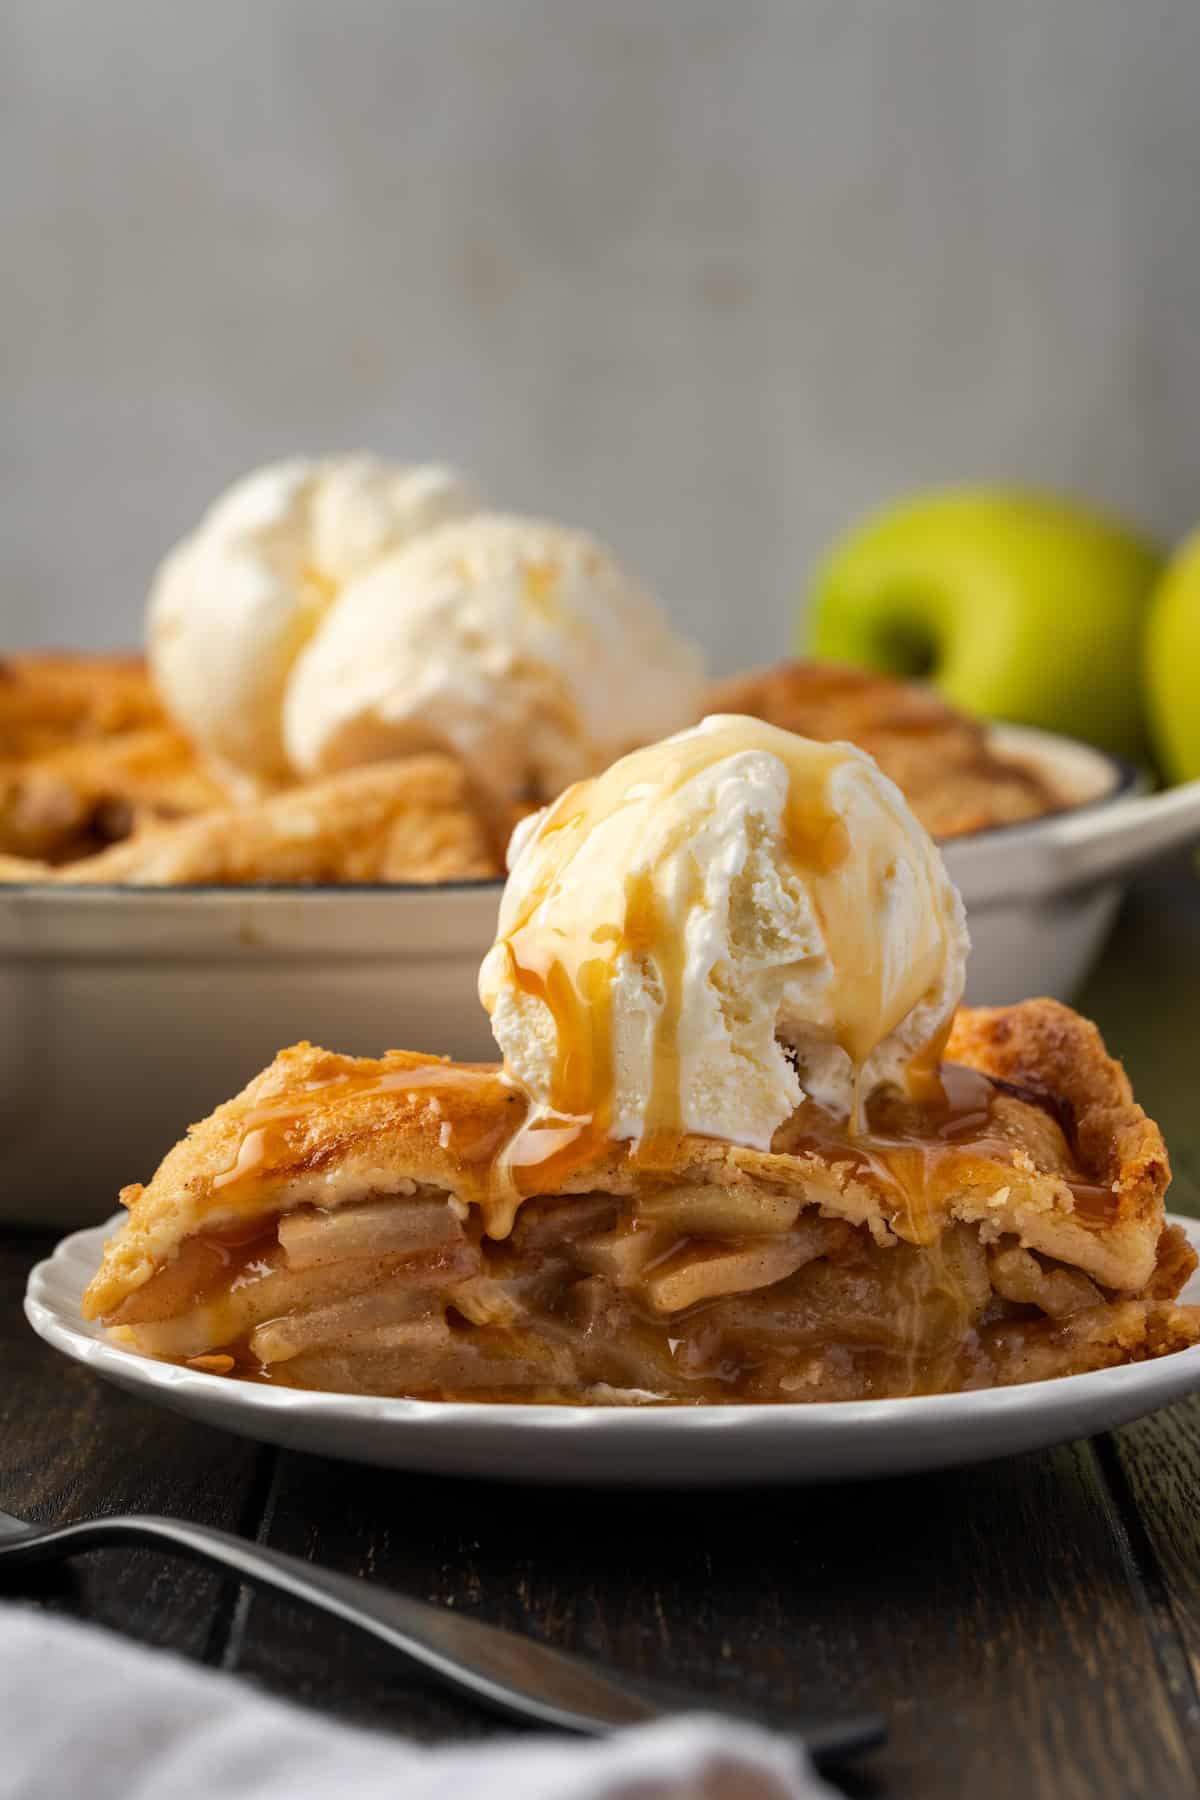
pixel 522 647
pixel 233 604
pixel 717 926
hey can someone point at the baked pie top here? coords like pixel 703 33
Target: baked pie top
pixel 96 787
pixel 418 819
pixel 89 760
pixel 72 802
pixel 1038 1137
pixel 87 757
pixel 939 758
pixel 48 698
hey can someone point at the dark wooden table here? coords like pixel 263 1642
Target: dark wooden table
pixel 1031 1627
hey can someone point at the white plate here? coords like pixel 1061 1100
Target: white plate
pixel 648 1447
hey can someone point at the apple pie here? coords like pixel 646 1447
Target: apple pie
pixel 406 1227
pixel 940 759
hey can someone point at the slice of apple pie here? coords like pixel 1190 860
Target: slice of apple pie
pixel 407 1226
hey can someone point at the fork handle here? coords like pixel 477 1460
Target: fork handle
pixel 510 1674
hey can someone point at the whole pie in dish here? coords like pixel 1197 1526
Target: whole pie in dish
pixel 97 785
pixel 405 1226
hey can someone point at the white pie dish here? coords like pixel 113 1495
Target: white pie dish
pixel 647 1446
pixel 125 1013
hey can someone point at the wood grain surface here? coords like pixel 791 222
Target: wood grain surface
pixel 1031 1627
pixel 72 1447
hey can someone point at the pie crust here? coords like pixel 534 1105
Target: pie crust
pixel 87 757
pixel 417 819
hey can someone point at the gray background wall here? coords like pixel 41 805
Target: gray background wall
pixel 706 276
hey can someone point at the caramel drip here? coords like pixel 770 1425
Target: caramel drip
pixel 503 1158
pixel 648 932
pixel 270 1133
pixel 542 584
pixel 555 956
pixel 917 1162
pixel 924 1073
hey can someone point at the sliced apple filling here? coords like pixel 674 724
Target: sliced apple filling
pixel 390 1226
pixel 684 1293
pixel 310 1264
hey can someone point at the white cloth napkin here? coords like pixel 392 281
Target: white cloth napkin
pixel 83 1712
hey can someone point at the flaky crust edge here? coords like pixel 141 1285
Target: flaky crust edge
pixel 1048 1048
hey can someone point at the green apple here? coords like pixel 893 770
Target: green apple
pixel 1017 605
pixel 1171 666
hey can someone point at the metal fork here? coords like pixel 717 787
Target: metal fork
pixel 511 1675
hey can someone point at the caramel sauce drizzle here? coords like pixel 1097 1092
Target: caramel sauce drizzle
pixel 504 1158
pixel 268 1132
pixel 919 1161
pixel 498 1163
pixel 916 1161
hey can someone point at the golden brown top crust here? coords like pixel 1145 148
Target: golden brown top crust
pixel 417 819
pixel 52 697
pixel 87 756
pixel 318 1128
pixel 96 786
pixel 77 798
pixel 331 1129
pixel 88 760
pixel 936 755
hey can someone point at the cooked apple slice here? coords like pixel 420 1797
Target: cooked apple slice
pixel 390 1227
pixel 289 1336
pixel 275 1290
pixel 718 1211
pixel 706 1271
